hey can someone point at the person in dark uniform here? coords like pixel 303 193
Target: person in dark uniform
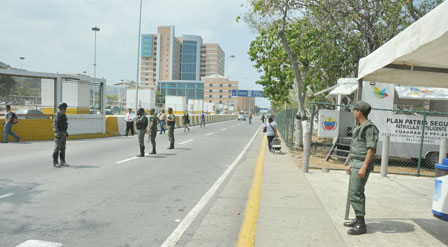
pixel 60 126
pixel 152 131
pixel 141 123
pixel 362 150
pixel 171 123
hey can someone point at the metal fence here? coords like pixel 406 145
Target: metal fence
pixel 285 123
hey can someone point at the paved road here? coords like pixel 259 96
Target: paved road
pixel 107 197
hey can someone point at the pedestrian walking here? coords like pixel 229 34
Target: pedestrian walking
pixel 60 127
pixel 171 123
pixel 271 131
pixel 202 119
pixel 141 123
pixel 10 119
pixel 162 119
pixel 362 150
pixel 130 116
pixel 250 117
pixel 186 120
pixel 152 131
pixel 262 118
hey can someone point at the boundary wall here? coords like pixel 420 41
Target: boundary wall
pixel 89 126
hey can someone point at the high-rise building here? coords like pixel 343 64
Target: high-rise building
pixel 167 57
pixel 218 90
pixel 212 60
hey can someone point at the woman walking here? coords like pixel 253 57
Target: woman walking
pixel 162 118
pixel 271 131
pixel 186 120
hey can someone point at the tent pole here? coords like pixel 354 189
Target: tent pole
pixel 359 92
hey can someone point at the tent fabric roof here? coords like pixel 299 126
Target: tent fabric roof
pixel 417 56
pixel 346 86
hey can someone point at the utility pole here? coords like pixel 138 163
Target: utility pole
pixel 138 56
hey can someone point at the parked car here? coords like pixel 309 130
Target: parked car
pixel 241 116
pixel 31 114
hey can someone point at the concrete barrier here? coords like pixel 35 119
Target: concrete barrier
pixel 89 126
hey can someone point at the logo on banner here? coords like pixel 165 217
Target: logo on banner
pixel 380 94
pixel 418 92
pixel 329 123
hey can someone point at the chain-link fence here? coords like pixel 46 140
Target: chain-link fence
pixel 285 123
pixel 414 138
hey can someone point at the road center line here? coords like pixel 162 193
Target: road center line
pixel 211 133
pixel 223 129
pixel 34 243
pixel 191 216
pixel 187 141
pixel 6 195
pixel 126 160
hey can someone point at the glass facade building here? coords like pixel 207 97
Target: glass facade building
pixel 189 60
pixel 188 89
pixel 147 46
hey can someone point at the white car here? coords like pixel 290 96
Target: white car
pixel 241 117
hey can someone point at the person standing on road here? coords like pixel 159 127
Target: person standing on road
pixel 10 119
pixel 130 116
pixel 60 127
pixel 171 123
pixel 162 119
pixel 203 119
pixel 186 120
pixel 362 150
pixel 152 131
pixel 141 123
pixel 262 118
pixel 271 131
pixel 250 117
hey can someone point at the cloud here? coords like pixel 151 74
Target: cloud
pixel 56 36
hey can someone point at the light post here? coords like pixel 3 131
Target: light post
pixel 138 56
pixel 22 58
pixel 94 29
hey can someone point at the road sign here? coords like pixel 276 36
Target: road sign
pixel 256 93
pixel 240 93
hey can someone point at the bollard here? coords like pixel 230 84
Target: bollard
pixel 385 156
pixel 306 151
pixel 442 151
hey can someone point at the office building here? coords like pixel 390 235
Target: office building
pixel 166 57
pixel 218 90
pixel 191 90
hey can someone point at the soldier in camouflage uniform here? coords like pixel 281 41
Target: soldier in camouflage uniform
pixel 152 131
pixel 60 127
pixel 362 151
pixel 171 123
pixel 141 123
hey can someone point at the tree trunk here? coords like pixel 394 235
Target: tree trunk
pixel 298 87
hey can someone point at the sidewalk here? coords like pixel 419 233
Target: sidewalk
pixel 298 209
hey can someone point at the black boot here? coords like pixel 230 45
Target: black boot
pixel 171 146
pixel 142 152
pixel 55 160
pixel 359 228
pixel 351 223
pixel 62 157
pixel 153 149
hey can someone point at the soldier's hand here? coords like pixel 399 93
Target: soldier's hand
pixel 347 170
pixel 362 173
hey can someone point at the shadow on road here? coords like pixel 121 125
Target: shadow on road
pixel 434 227
pixel 390 226
pixel 81 166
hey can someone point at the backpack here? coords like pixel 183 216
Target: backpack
pixel 14 118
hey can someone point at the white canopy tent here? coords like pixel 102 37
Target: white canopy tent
pixel 418 56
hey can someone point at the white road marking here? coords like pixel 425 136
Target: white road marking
pixel 187 141
pixel 6 195
pixel 126 160
pixel 211 133
pixel 191 216
pixel 38 243
pixel 223 129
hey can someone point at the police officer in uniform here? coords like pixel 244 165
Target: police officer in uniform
pixel 141 123
pixel 171 123
pixel 362 151
pixel 152 131
pixel 60 127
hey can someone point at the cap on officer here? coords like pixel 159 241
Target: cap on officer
pixel 62 106
pixel 140 111
pixel 363 107
pixel 152 110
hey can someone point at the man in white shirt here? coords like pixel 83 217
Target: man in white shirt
pixel 130 116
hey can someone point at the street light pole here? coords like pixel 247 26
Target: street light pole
pixel 94 29
pixel 22 58
pixel 138 56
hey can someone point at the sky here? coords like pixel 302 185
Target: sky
pixel 56 36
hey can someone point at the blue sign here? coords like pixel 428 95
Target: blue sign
pixel 256 93
pixel 240 93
